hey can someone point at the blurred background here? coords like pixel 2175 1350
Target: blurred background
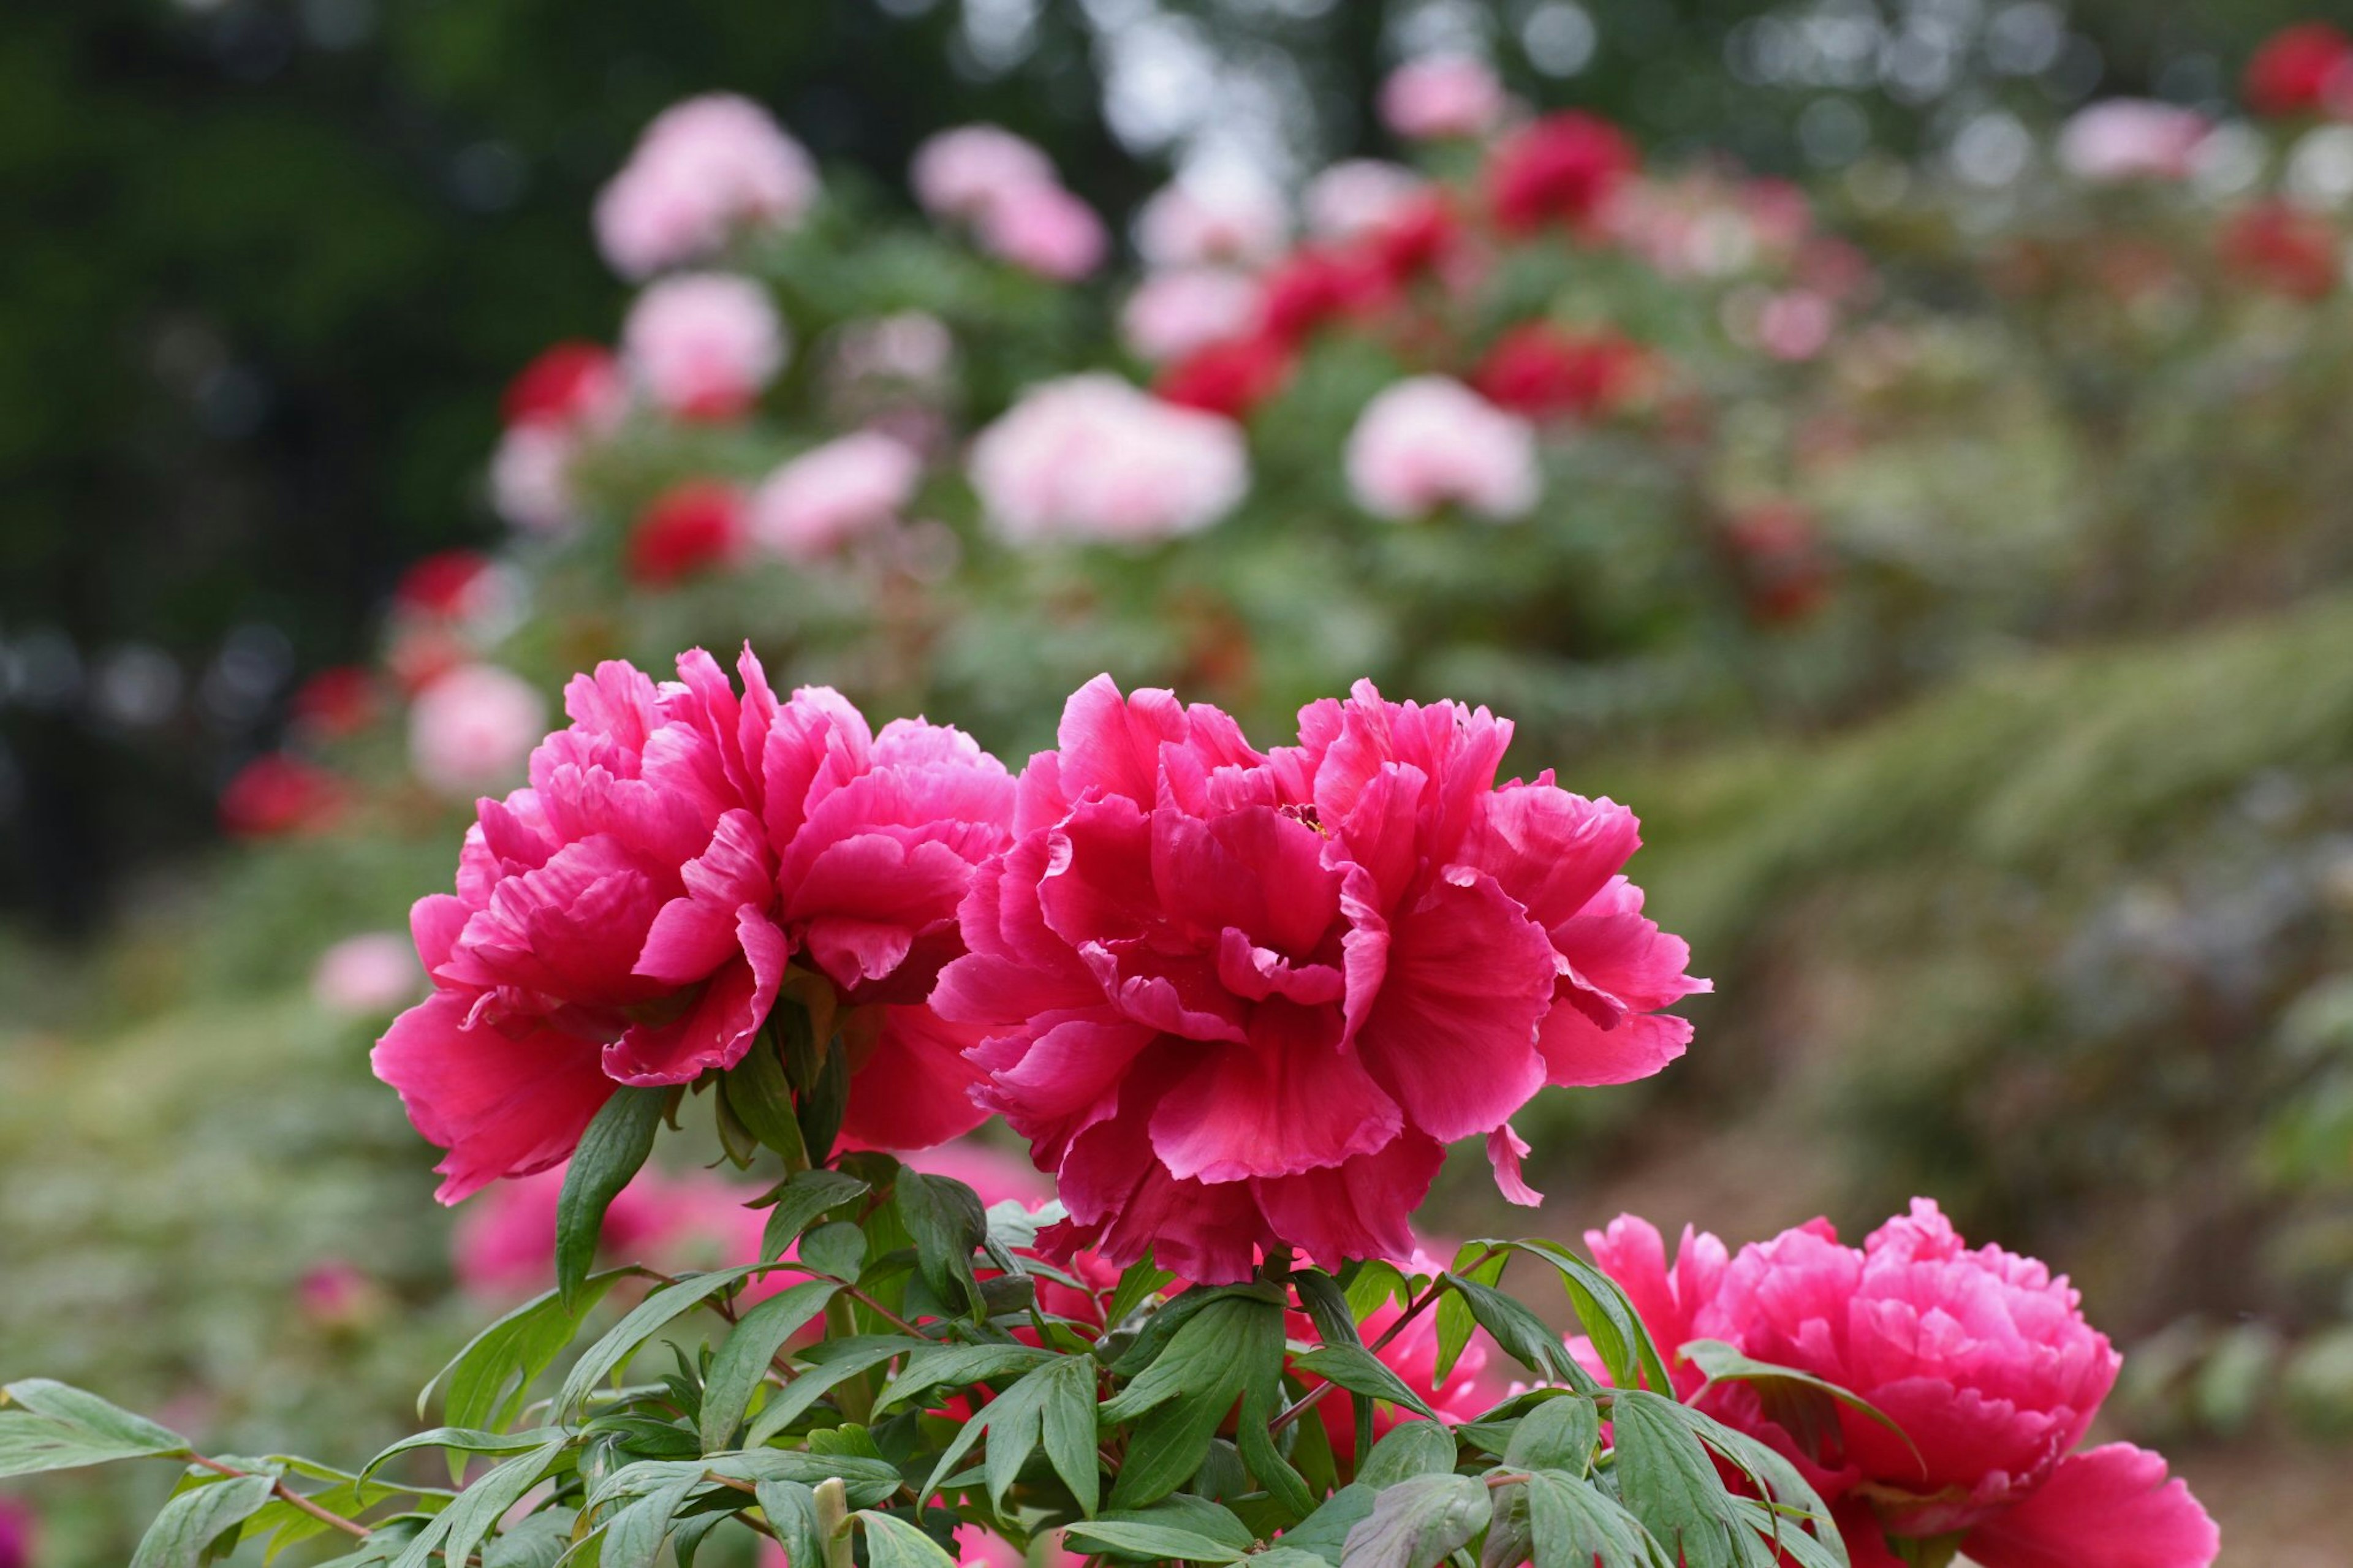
pixel 1908 456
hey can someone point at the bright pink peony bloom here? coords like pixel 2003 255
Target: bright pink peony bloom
pixel 812 506
pixel 2121 139
pixel 1172 314
pixel 1565 168
pixel 694 526
pixel 705 170
pixel 368 976
pixel 1442 96
pixel 1547 372
pixel 703 345
pixel 628 918
pixel 1231 377
pixel 336 703
pixel 1981 1357
pixel 1428 442
pixel 454 584
pixel 470 730
pixel 1046 230
pixel 1224 213
pixel 1090 457
pixel 1360 196
pixel 1240 1001
pixel 962 173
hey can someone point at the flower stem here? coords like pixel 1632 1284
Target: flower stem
pixel 833 1524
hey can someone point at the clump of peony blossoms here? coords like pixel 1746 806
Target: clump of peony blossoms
pixel 682 853
pixel 1090 457
pixel 705 170
pixel 1981 1357
pixel 1239 1001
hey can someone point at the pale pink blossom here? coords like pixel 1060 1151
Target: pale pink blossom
pixel 1361 196
pixel 705 170
pixel 962 173
pixel 812 506
pixel 1429 442
pixel 1091 456
pixel 703 345
pixel 1215 213
pixel 1795 324
pixel 911 347
pixel 1442 96
pixel 1046 230
pixel 1171 314
pixel 2121 139
pixel 471 729
pixel 531 484
pixel 367 975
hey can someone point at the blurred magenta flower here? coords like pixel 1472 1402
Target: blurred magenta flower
pixel 20 1534
pixel 705 170
pixel 2299 70
pixel 1564 169
pixel 1175 312
pixel 961 173
pixel 278 793
pixel 1044 229
pixel 694 526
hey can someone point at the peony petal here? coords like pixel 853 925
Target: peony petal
pixel 1505 1150
pixel 1064 1080
pixel 718 1025
pixel 2110 1507
pixel 1581 1053
pixel 1552 850
pixel 915 1088
pixel 695 934
pixel 1290 1101
pixel 1111 744
pixel 1354 1210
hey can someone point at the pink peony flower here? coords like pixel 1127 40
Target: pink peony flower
pixel 337 1295
pixel 1981 1357
pixel 705 170
pixel 1360 196
pixel 470 730
pixel 628 918
pixel 531 478
pixel 997 1175
pixel 820 500
pixel 1442 96
pixel 449 584
pixel 1795 324
pixel 1428 442
pixel 20 1534
pixel 1223 213
pixel 570 386
pixel 2123 139
pixel 1240 1002
pixel 336 703
pixel 1565 168
pixel 1044 229
pixel 962 173
pixel 1090 457
pixel 367 975
pixel 703 345
pixel 1172 314
pixel 2298 70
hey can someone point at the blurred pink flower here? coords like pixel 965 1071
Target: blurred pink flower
pixel 818 502
pixel 703 345
pixel 504 1247
pixel 2121 139
pixel 571 384
pixel 1240 1001
pixel 703 170
pixel 20 1534
pixel 1795 324
pixel 1361 195
pixel 1442 96
pixel 1172 314
pixel 471 729
pixel 337 1295
pixel 1044 229
pixel 373 973
pixel 1220 213
pixel 963 172
pixel 1090 457
pixel 997 1175
pixel 1429 442
pixel 531 485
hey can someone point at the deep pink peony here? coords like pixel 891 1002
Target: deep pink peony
pixel 19 1532
pixel 1239 1001
pixel 629 916
pixel 1981 1356
pixel 505 1245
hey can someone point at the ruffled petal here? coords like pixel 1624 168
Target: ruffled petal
pixel 718 1025
pixel 915 1088
pixel 1581 1053
pixel 1358 1209
pixel 2110 1507
pixel 695 934
pixel 1505 1150
pixel 1289 1101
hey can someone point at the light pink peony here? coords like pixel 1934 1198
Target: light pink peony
pixel 1981 1357
pixel 1240 1001
pixel 812 506
pixel 471 729
pixel 1429 442
pixel 629 916
pixel 1172 314
pixel 531 485
pixel 703 345
pixel 1442 96
pixel 961 173
pixel 1219 212
pixel 367 975
pixel 1361 196
pixel 1090 457
pixel 2121 139
pixel 1046 230
pixel 705 170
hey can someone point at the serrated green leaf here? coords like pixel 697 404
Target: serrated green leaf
pixel 743 1360
pixel 184 1533
pixel 609 1355
pixel 894 1543
pixel 1419 1523
pixel 797 1200
pixel 1148 1542
pixel 611 1153
pixel 1412 1449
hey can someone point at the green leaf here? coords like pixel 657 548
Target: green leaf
pixel 797 1201
pixel 1523 1335
pixel 457 1529
pixel 755 1090
pixel 790 1508
pixel 1137 1283
pixel 894 1543
pixel 832 1362
pixel 183 1534
pixel 609 1355
pixel 1419 1523
pixel 460 1441
pixel 823 1105
pixel 1559 1435
pixel 839 1249
pixel 1054 1403
pixel 1608 1318
pixel 958 1366
pixel 1510 1540
pixel 1285 1557
pixel 1324 1532
pixel 1668 1482
pixel 539 1541
pixel 48 1425
pixel 1412 1449
pixel 743 1360
pixel 948 1222
pixel 1197 1515
pixel 1455 1321
pixel 1327 1306
pixel 634 1536
pixel 1575 1525
pixel 1228 1346
pixel 1374 1283
pixel 1150 1542
pixel 1802 1404
pixel 1789 1539
pixel 490 1379
pixel 611 1153
pixel 1359 1371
